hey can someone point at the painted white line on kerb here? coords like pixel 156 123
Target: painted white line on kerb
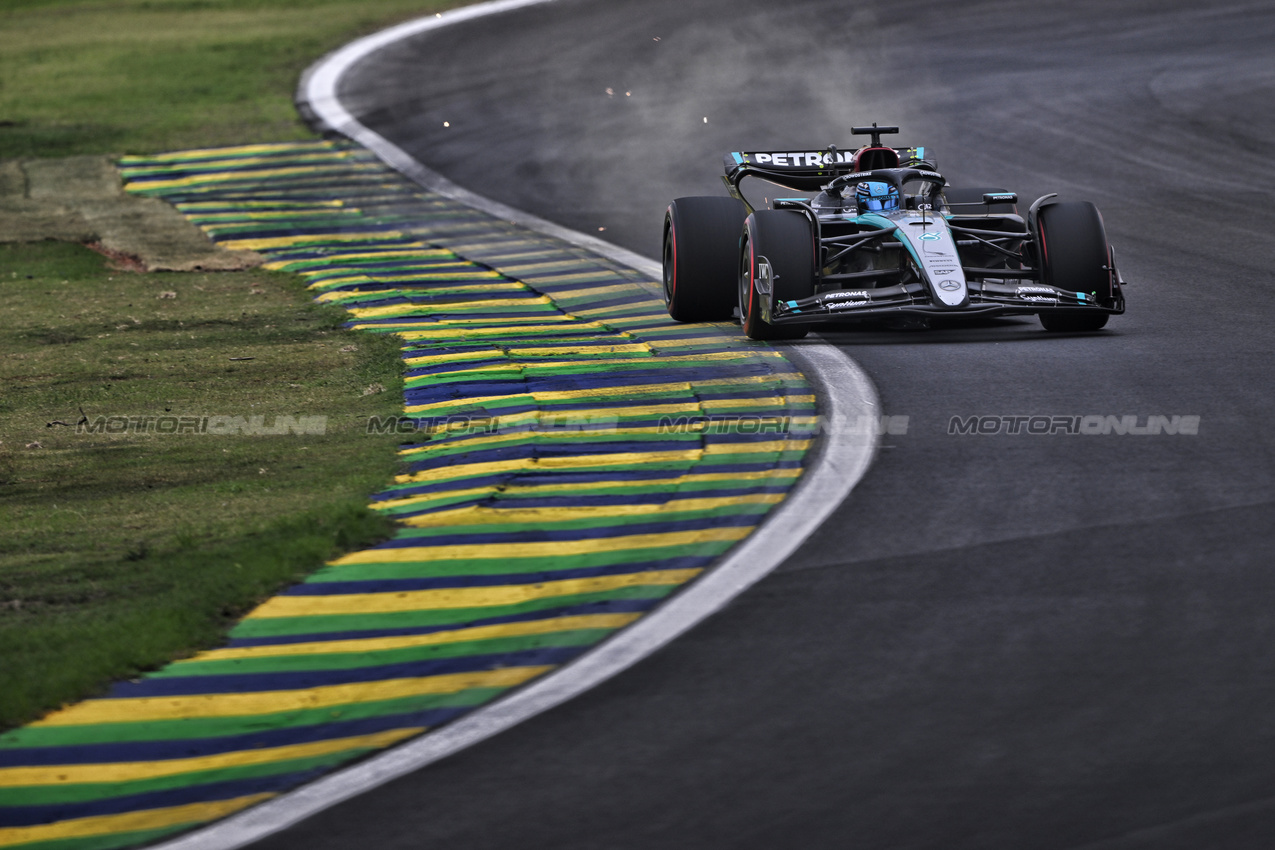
pixel 845 395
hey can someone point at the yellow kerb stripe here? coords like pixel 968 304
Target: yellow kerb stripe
pixel 658 358
pixel 466 597
pixel 448 473
pixel 542 321
pixel 566 395
pixel 590 486
pixel 627 312
pixel 339 281
pixel 553 365
pixel 595 434
pixel 326 212
pixel 75 774
pixel 230 175
pixel 623 348
pixel 406 254
pixel 773 401
pixel 726 341
pixel 142 709
pixel 559 418
pixel 565 262
pixel 488 353
pixel 326 149
pixel 490 440
pixel 508 247
pixel 441 333
pixel 408 554
pixel 443 306
pixel 444 496
pixel 595 290
pixel 460 289
pixel 362 645
pixel 432 359
pixel 486 441
pixel 504 366
pixel 191 813
pixel 628 389
pixel 587 413
pixel 760 448
pixel 505 421
pixel 483 515
pixel 301 239
pixel 587 276
pixel 204 206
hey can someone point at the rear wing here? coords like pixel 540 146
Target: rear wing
pixel 801 171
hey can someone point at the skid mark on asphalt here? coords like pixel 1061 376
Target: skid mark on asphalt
pixel 571 459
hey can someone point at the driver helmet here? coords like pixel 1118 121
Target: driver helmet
pixel 876 197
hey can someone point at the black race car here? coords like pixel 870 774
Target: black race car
pixel 883 237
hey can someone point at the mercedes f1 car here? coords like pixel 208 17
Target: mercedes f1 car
pixel 883 237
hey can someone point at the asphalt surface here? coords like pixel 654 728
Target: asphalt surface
pixel 1002 641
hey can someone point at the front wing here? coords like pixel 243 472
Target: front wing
pixel 985 298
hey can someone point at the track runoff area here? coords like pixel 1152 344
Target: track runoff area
pixel 584 480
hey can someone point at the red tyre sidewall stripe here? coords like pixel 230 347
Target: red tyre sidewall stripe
pixel 752 269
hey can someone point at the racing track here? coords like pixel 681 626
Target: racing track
pixel 999 641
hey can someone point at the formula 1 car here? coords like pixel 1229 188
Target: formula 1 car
pixel 884 237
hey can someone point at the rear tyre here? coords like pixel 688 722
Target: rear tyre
pixel 786 241
pixel 1074 257
pixel 701 238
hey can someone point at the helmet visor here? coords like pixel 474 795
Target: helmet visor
pixel 876 197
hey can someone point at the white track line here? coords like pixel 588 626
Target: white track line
pixel 845 395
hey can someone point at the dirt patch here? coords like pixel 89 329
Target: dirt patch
pixel 82 199
pixel 119 261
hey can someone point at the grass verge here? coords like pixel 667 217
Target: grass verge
pixel 120 551
pixel 142 76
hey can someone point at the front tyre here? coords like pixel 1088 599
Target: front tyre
pixel 701 236
pixel 1074 256
pixel 785 241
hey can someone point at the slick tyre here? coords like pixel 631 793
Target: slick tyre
pixel 785 240
pixel 701 240
pixel 1074 256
